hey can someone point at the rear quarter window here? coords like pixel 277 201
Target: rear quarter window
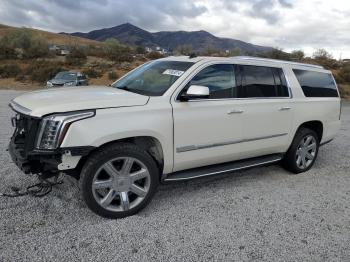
pixel 261 81
pixel 316 84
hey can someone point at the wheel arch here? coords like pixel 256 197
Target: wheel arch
pixel 315 125
pixel 150 144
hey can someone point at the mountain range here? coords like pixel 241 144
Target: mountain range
pixel 199 40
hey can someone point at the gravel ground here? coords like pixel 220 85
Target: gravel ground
pixel 263 214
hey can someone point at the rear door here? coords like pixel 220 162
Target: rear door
pixel 267 111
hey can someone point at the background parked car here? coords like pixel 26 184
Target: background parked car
pixel 67 78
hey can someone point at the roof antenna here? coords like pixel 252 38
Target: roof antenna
pixel 192 55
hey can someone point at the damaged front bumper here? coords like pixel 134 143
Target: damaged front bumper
pixel 33 161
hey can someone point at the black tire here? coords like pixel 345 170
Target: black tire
pixel 101 157
pixel 290 159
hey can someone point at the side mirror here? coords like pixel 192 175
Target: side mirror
pixel 195 92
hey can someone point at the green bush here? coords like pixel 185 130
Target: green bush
pixel 38 48
pixel 154 55
pixel 93 50
pixel 76 57
pixel 343 75
pixel 92 73
pixel 9 70
pixel 7 52
pixel 140 50
pixel 22 39
pixel 42 70
pixel 112 75
pixel 276 53
pixel 117 52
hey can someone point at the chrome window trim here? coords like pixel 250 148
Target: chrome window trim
pixel 177 94
pixel 250 58
pixel 205 146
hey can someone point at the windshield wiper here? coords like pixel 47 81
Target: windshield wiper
pixel 132 90
pixel 123 88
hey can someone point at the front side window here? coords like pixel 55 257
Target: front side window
pixel 316 84
pixel 220 80
pixel 154 78
pixel 261 81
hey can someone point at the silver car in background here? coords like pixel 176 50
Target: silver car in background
pixel 68 78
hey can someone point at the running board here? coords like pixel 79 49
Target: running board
pixel 222 168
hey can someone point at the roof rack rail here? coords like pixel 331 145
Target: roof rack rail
pixel 276 60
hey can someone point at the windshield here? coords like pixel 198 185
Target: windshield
pixel 153 78
pixel 66 76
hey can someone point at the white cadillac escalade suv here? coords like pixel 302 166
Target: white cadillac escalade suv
pixel 175 119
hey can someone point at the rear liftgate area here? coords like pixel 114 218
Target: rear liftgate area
pixel 222 168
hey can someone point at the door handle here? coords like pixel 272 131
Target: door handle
pixel 285 108
pixel 235 111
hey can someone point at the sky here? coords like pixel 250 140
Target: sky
pixel 287 24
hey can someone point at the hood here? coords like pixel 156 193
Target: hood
pixel 59 100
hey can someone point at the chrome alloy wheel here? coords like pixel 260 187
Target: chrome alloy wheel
pixel 306 152
pixel 121 184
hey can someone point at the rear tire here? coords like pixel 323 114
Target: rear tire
pixel 119 180
pixel 302 154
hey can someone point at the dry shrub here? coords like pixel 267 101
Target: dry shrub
pixel 43 70
pixel 9 70
pixel 92 73
pixel 112 75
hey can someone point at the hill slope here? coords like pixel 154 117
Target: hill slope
pixel 52 38
pixel 133 35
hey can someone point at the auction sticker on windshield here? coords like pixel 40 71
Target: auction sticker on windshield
pixel 173 72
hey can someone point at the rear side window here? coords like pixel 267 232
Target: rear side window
pixel 261 81
pixel 316 84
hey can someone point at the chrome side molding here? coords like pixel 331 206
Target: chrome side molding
pixel 197 147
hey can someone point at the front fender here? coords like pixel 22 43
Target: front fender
pixel 114 124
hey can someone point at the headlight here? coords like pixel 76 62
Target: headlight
pixel 70 84
pixel 53 128
pixel 49 84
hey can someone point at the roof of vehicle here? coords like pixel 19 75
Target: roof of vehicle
pixel 274 62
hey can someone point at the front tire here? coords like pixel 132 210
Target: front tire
pixel 119 180
pixel 302 154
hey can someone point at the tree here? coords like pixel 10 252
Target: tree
pixel 297 55
pixel 76 56
pixel 140 50
pixel 7 51
pixel 344 74
pixel 322 54
pixel 183 50
pixel 154 55
pixel 24 41
pixel 235 52
pixel 324 58
pixel 38 48
pixel 116 51
pixel 209 50
pixel 276 53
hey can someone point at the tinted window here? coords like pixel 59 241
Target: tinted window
pixel 280 82
pixel 260 81
pixel 220 80
pixel 316 84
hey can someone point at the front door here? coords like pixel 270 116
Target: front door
pixel 208 131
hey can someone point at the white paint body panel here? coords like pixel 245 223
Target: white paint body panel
pixel 180 125
pixel 64 99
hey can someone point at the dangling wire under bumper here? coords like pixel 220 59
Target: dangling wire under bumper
pixel 40 189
